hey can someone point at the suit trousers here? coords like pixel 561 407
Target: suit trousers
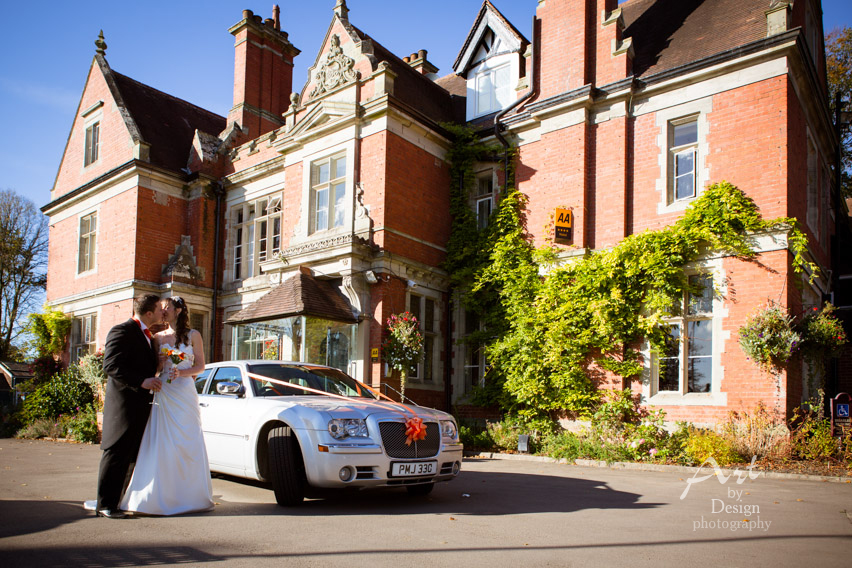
pixel 116 468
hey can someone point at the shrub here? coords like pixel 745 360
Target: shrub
pixel 703 444
pixel 42 428
pixel 475 438
pixel 504 434
pixel 60 395
pixel 757 433
pixel 9 421
pixel 811 437
pixel 83 426
pixel 92 373
pixel 571 446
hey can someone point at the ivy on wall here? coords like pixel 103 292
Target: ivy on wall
pixel 546 338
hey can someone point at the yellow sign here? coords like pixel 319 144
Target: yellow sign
pixel 564 225
pixel 374 353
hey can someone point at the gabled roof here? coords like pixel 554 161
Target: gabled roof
pixel 414 88
pixel 301 294
pixel 166 123
pixel 670 33
pixel 10 369
pixel 410 87
pixel 489 17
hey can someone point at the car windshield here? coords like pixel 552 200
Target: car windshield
pixel 318 378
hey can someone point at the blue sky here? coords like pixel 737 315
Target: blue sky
pixel 183 48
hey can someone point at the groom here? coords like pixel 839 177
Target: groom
pixel 130 363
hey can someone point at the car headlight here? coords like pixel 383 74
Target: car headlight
pixel 340 428
pixel 448 429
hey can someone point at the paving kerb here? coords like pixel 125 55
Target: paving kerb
pixel 636 466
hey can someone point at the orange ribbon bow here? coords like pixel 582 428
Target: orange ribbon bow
pixel 414 430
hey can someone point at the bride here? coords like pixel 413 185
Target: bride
pixel 172 475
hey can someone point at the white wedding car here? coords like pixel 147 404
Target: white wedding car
pixel 298 440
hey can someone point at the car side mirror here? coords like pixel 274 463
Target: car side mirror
pixel 228 387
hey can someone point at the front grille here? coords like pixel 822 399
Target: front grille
pixel 393 438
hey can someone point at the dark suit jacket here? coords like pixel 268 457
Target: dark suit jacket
pixel 128 360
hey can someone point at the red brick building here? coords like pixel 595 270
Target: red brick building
pixel 297 224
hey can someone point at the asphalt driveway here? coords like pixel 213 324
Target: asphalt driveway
pixel 498 512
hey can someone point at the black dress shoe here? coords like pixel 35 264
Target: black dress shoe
pixel 111 513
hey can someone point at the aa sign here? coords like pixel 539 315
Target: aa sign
pixel 564 225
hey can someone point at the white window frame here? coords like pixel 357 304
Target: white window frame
pixel 484 199
pixel 420 306
pixel 91 144
pixel 666 119
pixel 334 209
pixel 256 234
pixel 682 150
pixel 87 243
pixel 84 335
pixel 499 94
pixel 650 389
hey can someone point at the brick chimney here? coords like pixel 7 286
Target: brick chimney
pixel 263 73
pixel 580 43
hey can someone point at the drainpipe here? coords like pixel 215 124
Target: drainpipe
pixel 214 333
pixel 498 126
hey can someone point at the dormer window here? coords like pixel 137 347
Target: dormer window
pixel 491 62
pixel 493 89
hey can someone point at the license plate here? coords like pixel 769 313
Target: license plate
pixel 409 469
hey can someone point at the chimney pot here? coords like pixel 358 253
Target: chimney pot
pixel 413 56
pixel 421 54
pixel 406 59
pixel 248 14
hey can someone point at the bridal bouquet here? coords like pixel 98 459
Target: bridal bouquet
pixel 176 355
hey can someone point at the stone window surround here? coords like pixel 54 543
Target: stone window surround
pixel 650 394
pixel 435 334
pixel 93 263
pixel 699 110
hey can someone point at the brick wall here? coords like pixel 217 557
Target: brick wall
pixel 553 173
pixel 416 199
pixel 114 147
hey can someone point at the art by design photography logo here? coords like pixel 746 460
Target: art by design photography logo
pixel 732 505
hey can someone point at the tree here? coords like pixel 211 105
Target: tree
pixel 23 264
pixel 838 61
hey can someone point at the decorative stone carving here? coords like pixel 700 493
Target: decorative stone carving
pixel 182 262
pixel 337 69
pixel 361 210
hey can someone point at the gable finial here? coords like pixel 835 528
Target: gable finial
pixel 341 10
pixel 100 44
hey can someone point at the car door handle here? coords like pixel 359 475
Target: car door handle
pixel 204 404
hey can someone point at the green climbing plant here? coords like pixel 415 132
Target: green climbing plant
pixel 547 337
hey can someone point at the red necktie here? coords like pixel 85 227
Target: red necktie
pixel 148 333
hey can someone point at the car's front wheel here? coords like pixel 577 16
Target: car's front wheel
pixel 287 472
pixel 423 489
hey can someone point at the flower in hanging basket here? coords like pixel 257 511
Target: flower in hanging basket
pixel 768 338
pixel 403 346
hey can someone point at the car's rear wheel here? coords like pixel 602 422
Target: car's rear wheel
pixel 418 490
pixel 286 469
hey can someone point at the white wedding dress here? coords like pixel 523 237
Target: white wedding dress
pixel 172 474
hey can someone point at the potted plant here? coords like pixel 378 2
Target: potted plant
pixel 403 347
